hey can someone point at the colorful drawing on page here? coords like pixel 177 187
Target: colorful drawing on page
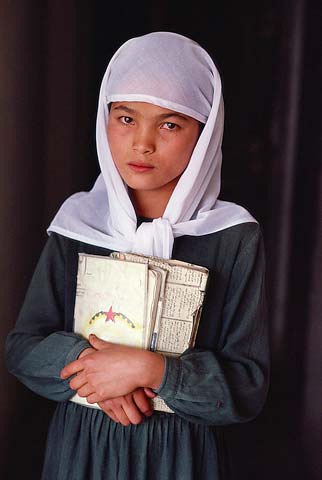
pixel 113 326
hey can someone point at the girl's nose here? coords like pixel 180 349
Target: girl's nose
pixel 143 142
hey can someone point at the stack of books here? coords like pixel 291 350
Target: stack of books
pixel 140 301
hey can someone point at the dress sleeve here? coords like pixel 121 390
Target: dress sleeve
pixel 228 384
pixel 38 347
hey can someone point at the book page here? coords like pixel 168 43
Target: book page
pixel 159 404
pixel 178 272
pixel 186 275
pixel 181 306
pixel 111 300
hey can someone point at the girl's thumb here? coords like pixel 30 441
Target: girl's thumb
pixel 96 342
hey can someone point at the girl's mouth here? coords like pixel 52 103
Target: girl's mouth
pixel 140 167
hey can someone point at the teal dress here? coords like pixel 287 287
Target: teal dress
pixel 222 381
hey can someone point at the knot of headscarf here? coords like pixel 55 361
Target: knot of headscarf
pixel 154 238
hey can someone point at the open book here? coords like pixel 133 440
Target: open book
pixel 141 301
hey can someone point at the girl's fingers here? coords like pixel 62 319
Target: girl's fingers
pixel 131 409
pixel 98 343
pixel 86 351
pixel 123 410
pixel 94 398
pixel 114 409
pixel 71 368
pixel 109 412
pixel 78 381
pixel 149 393
pixel 121 415
pixel 142 402
pixel 85 391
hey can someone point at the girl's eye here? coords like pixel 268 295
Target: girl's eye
pixel 170 126
pixel 127 120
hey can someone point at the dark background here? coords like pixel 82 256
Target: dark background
pixel 52 57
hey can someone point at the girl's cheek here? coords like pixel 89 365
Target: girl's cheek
pixel 117 132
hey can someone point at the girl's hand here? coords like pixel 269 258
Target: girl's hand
pixel 113 371
pixel 129 409
pixel 86 351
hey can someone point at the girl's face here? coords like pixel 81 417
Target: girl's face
pixel 151 146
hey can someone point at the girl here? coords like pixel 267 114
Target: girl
pixel 159 134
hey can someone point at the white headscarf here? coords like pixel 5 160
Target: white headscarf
pixel 174 72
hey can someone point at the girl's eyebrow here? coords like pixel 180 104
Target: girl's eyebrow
pixel 123 107
pixel 162 116
pixel 173 114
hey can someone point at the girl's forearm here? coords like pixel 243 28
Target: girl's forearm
pixel 113 370
pixel 146 368
pixel 37 361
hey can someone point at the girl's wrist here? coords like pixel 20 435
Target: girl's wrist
pixel 153 369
